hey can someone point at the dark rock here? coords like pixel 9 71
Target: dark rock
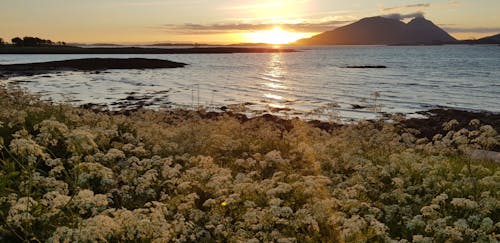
pixel 433 123
pixel 358 107
pixel 88 64
pixel 367 66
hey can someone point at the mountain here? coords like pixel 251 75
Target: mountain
pixel 382 31
pixel 421 30
pixel 495 39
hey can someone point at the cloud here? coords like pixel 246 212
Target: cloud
pixel 158 3
pixel 255 6
pixel 398 16
pixel 479 30
pixel 454 3
pixel 267 4
pixel 244 27
pixel 420 5
pixel 315 17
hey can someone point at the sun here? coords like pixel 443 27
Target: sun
pixel 275 36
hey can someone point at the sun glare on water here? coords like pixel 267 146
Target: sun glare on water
pixel 276 36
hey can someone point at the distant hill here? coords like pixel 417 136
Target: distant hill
pixel 382 31
pixel 251 44
pixel 179 44
pixel 495 39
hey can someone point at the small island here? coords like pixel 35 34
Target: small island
pixel 87 64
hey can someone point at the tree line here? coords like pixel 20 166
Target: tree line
pixel 32 41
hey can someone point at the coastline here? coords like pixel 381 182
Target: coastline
pixel 428 126
pixel 138 50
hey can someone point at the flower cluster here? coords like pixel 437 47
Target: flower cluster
pixel 73 175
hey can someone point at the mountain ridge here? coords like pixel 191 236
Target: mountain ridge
pixel 494 39
pixel 380 30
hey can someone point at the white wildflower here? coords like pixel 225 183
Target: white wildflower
pixel 56 171
pixel 487 225
pixel 475 123
pixel 51 132
pixel 287 240
pixel 464 203
pixel 429 211
pixel 282 188
pixel 90 173
pixel 453 234
pixel 441 198
pixel 53 162
pixel 128 147
pixel 488 130
pixel 447 126
pixel 398 182
pixel 114 154
pixel 437 137
pixel 86 202
pixel 146 181
pixel 422 239
pixel 246 163
pixel 49 183
pixel 54 201
pixel 20 212
pixel 81 141
pixel 275 202
pixel 100 228
pixel 26 147
pixel 282 212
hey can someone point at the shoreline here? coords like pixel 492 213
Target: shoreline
pixel 428 126
pixel 435 119
pixel 139 50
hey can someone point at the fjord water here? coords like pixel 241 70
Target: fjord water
pixel 291 84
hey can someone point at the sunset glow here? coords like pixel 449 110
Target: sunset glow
pixel 276 36
pixel 225 22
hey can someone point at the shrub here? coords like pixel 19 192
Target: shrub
pixel 70 174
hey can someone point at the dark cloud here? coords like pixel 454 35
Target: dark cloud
pixel 398 16
pixel 238 27
pixel 420 5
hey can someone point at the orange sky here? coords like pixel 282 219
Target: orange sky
pixel 224 21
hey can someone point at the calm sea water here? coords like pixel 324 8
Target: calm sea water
pixel 306 83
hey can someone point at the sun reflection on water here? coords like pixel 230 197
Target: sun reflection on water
pixel 274 97
pixel 275 82
pixel 276 66
pixel 274 85
pixel 277 106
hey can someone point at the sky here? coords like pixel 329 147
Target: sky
pixel 224 21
